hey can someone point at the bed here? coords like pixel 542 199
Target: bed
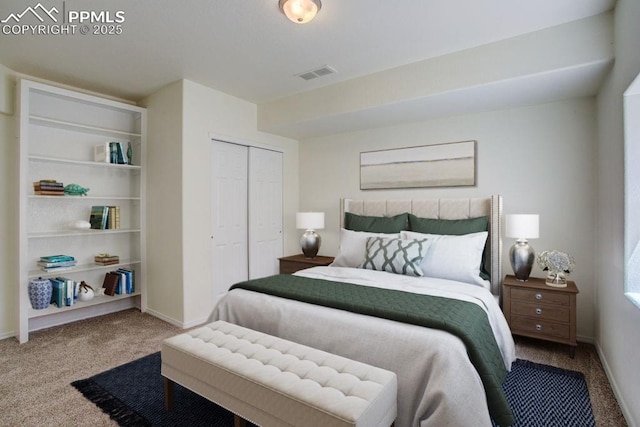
pixel 438 384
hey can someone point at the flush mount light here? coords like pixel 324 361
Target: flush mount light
pixel 300 11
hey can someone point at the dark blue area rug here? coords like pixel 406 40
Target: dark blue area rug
pixel 133 395
pixel 543 395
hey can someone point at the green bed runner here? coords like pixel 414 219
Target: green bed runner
pixel 464 319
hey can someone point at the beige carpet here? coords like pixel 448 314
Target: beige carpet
pixel 36 376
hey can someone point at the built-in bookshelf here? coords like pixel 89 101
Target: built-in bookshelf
pixel 59 130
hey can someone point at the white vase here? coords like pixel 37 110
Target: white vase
pixel 557 279
pixel 85 294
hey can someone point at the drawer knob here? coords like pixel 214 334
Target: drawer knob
pixel 538 296
pixel 538 327
pixel 538 311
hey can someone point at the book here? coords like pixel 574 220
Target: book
pixel 57 258
pixel 57 296
pixel 68 291
pixel 50 269
pixel 113 221
pixel 48 187
pixel 128 287
pixel 98 217
pixel 106 259
pixel 122 283
pixel 48 193
pixel 108 262
pixel 122 157
pixel 113 152
pixel 47 264
pixel 110 283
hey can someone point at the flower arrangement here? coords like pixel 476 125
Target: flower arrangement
pixel 557 264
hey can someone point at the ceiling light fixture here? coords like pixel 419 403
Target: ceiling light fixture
pixel 300 11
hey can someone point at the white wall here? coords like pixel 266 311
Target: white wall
pixel 208 111
pixel 164 203
pixel 202 111
pixel 541 159
pixel 8 203
pixel 617 319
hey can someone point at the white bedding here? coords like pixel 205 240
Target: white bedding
pixel 437 384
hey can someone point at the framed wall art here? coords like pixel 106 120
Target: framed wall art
pixel 441 165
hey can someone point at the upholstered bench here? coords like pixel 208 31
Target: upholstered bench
pixel 274 382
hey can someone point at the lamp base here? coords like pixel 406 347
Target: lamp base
pixel 521 256
pixel 310 243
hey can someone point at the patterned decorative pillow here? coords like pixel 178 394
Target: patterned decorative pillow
pixel 395 255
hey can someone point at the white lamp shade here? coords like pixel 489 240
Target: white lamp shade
pixel 522 226
pixel 310 220
pixel 300 11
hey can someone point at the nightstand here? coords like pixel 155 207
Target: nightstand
pixel 291 264
pixel 534 309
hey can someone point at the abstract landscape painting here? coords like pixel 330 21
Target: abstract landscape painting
pixel 441 165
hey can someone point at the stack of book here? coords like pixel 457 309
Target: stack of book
pixel 119 282
pixel 48 187
pixel 106 259
pixel 105 217
pixel 65 291
pixel 56 262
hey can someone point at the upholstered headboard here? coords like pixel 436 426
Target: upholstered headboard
pixel 443 209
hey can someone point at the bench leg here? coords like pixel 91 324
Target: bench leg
pixel 168 393
pixel 238 421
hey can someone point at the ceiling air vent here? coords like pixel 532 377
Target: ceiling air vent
pixel 322 71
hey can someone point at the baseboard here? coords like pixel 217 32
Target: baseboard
pixel 6 335
pixel 586 340
pixel 174 322
pixel 614 386
pixel 166 318
pixel 195 323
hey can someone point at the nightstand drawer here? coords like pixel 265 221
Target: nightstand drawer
pixel 540 296
pixel 290 267
pixel 559 313
pixel 539 327
pixel 293 263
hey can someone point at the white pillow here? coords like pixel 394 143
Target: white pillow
pixel 353 247
pixel 399 256
pixel 453 257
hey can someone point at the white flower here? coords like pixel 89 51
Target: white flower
pixel 556 261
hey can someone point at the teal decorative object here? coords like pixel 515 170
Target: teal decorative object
pixel 75 190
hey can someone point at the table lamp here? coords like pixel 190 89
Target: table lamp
pixel 521 254
pixel 310 240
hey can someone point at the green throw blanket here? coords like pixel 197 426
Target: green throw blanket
pixel 464 319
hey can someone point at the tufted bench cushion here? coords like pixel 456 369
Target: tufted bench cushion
pixel 275 382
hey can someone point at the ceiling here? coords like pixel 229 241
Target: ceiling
pixel 247 48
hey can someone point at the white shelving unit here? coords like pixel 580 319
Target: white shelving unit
pixel 58 130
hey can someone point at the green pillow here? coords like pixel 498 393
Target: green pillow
pixel 375 224
pixel 453 227
pixel 450 227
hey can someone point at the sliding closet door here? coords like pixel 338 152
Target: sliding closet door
pixel 265 211
pixel 229 215
pixel 246 210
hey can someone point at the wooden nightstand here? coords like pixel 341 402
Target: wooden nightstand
pixel 536 310
pixel 291 264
